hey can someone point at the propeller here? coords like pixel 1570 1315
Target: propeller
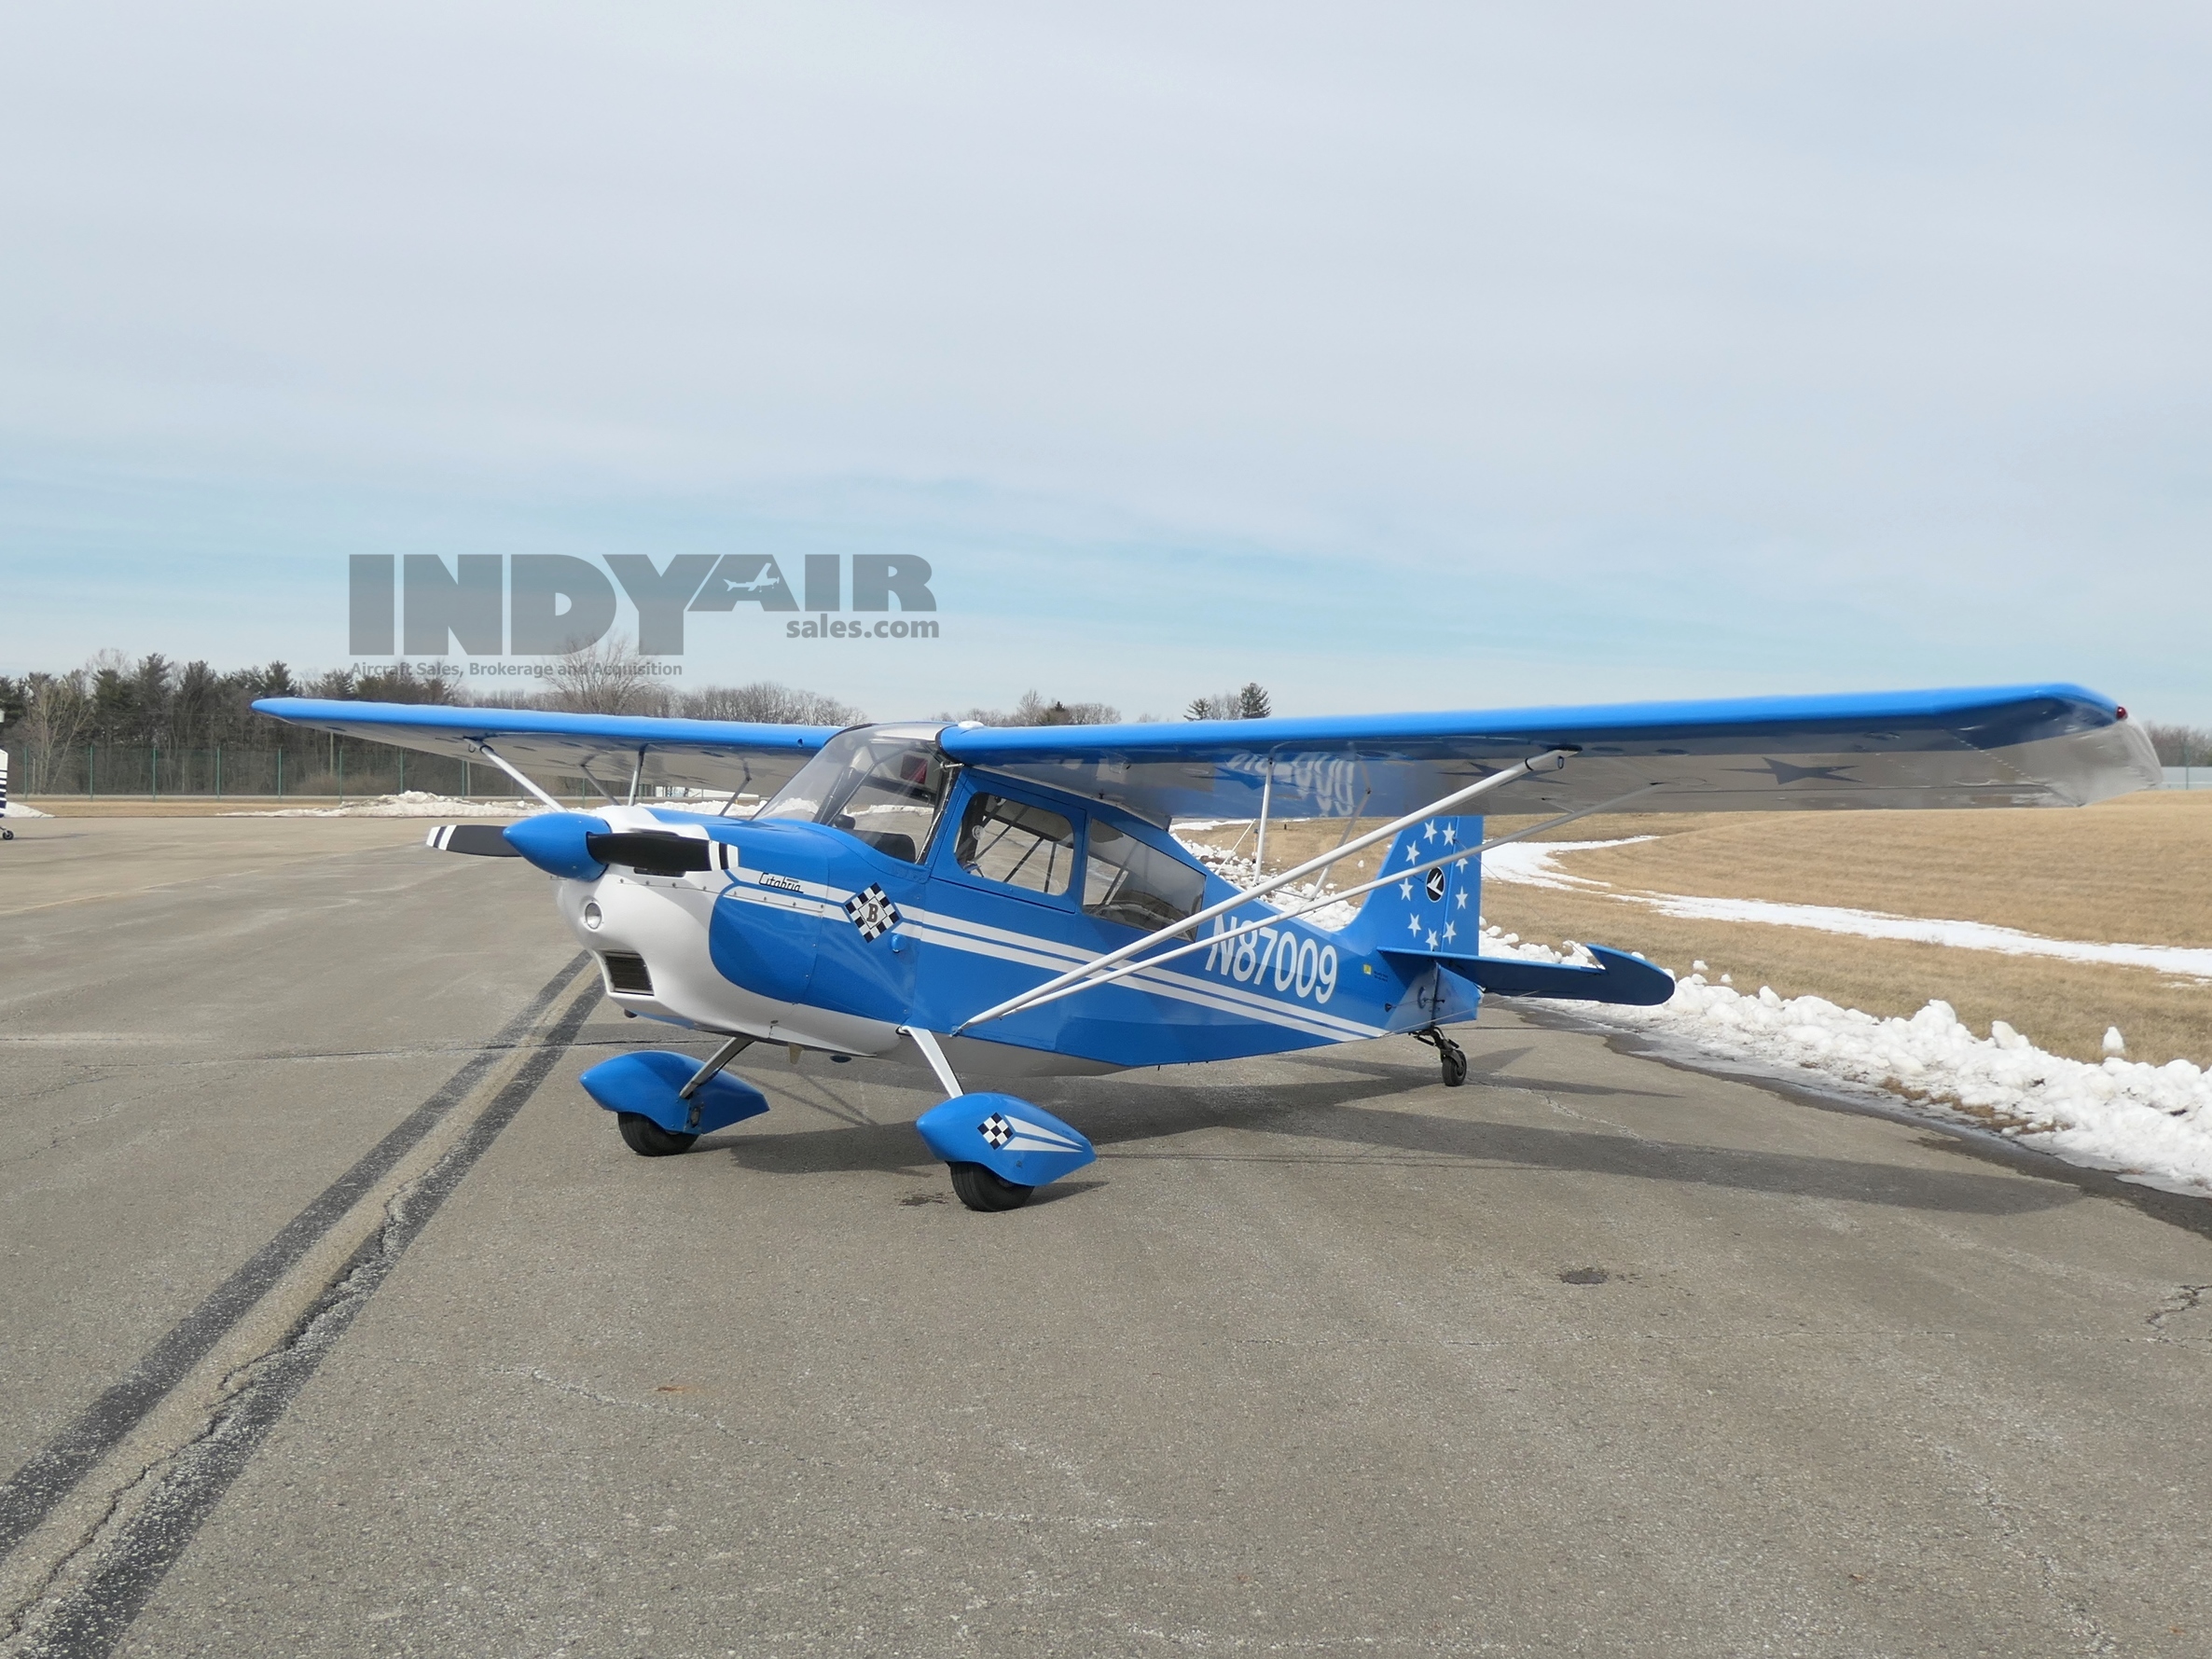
pixel 580 846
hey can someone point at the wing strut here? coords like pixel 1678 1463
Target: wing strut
pixel 1458 855
pixel 500 761
pixel 1550 761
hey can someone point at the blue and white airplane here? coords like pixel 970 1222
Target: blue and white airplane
pixel 996 903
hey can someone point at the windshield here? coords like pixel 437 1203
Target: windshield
pixel 884 786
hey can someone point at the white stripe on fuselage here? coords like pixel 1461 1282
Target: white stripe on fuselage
pixel 980 938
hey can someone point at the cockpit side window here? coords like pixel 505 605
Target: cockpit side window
pixel 886 790
pixel 1013 842
pixel 1137 885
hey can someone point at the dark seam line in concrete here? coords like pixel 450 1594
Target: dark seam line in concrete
pixel 94 1617
pixel 53 1472
pixel 2176 1209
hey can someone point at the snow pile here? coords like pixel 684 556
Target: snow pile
pixel 16 810
pixel 414 803
pixel 2153 1121
pixel 1531 865
pixel 2149 1121
pixel 1244 873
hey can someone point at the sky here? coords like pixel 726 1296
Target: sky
pixel 1392 355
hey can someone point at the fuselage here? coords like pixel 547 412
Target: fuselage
pixel 830 922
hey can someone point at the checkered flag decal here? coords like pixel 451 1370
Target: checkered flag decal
pixel 872 912
pixel 996 1129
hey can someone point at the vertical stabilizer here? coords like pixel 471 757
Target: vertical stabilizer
pixel 1437 910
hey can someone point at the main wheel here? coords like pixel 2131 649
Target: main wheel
pixel 648 1139
pixel 980 1189
pixel 1455 1062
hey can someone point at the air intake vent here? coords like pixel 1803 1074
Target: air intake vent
pixel 652 852
pixel 626 974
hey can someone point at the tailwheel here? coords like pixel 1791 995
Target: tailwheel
pixel 648 1139
pixel 1455 1062
pixel 1451 1055
pixel 980 1189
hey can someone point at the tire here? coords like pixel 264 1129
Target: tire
pixel 1455 1062
pixel 648 1139
pixel 980 1189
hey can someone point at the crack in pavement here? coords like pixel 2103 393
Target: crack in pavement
pixel 2190 1299
pixel 537 1375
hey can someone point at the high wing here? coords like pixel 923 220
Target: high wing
pixel 607 750
pixel 2009 746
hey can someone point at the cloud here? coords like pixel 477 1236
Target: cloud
pixel 1677 345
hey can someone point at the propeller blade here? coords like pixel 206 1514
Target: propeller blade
pixel 485 840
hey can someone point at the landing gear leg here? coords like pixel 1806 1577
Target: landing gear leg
pixel 1453 1057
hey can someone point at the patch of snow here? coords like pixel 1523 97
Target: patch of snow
pixel 1536 863
pixel 17 810
pixel 414 803
pixel 2152 1122
pixel 1532 865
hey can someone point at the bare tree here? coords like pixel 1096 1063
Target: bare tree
pixel 57 715
pixel 605 678
pixel 2179 745
pixel 1032 709
pixel 1221 705
pixel 765 702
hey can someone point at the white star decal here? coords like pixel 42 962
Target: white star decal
pixel 1459 899
pixel 1413 924
pixel 1451 834
pixel 1432 941
pixel 1428 830
pixel 1450 933
pixel 1412 855
pixel 1406 889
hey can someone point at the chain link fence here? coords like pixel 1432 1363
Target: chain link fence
pixel 325 767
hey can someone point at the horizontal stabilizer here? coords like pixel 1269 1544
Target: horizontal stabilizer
pixel 485 840
pixel 1618 977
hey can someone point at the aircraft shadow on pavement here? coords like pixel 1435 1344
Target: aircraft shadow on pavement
pixel 1349 1114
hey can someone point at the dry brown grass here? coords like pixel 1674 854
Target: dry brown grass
pixel 2133 869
